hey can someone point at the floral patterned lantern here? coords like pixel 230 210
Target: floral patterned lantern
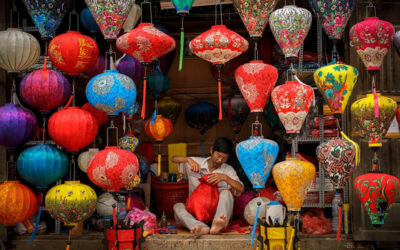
pixel 336 83
pixel 290 26
pixel 128 142
pixel 293 179
pixel 377 192
pixel 292 102
pixel 372 127
pixel 114 168
pixel 73 52
pixel 256 80
pixel 218 45
pixel 101 116
pixel 372 39
pixel 237 111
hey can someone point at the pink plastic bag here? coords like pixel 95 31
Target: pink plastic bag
pixel 136 215
pixel 314 222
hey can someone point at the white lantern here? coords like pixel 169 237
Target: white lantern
pixel 251 209
pixel 18 50
pixel 132 18
pixel 104 204
pixel 85 158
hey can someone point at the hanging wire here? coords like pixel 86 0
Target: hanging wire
pixel 255 50
pixel 72 169
pixel 220 9
pixel 44 130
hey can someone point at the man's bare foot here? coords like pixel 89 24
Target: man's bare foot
pixel 199 230
pixel 218 224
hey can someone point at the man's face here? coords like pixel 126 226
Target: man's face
pixel 218 158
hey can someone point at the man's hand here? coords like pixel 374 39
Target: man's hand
pixel 216 178
pixel 194 166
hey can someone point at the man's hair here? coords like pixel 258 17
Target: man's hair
pixel 223 145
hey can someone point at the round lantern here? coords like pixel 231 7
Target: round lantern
pixel 71 202
pixel 18 50
pixel 201 116
pixel 98 68
pixel 237 111
pixel 86 157
pixel 73 52
pixel 157 83
pixel 111 92
pixel 293 179
pixel 105 203
pixel 73 128
pixel 336 83
pixel 161 128
pixel 169 108
pixel 372 39
pixel 17 204
pixel 130 66
pixel 373 121
pixel 17 125
pixel 377 192
pixel 396 42
pixel 101 117
pixel 255 81
pixel 88 21
pixel 292 102
pixel 128 142
pixel 250 210
pixel 45 89
pixel 114 168
pixel 42 165
pixel 132 110
pixel 398 116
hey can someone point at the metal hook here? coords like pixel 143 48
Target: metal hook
pixel 73 13
pixel 112 126
pixel 151 14
pixel 372 6
pixel 14 9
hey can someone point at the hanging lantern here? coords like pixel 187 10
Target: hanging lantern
pixel 255 81
pixel 398 116
pixel 98 68
pixel 292 102
pixel 88 21
pixel 73 128
pixel 169 108
pixel 86 157
pixel 201 116
pixel 111 92
pixel 45 89
pixel 270 115
pixel 157 83
pixel 18 50
pixel 105 203
pixel 42 165
pixel 128 142
pixel 396 42
pixel 132 110
pixel 17 204
pixel 132 18
pixel 47 14
pixel 293 179
pixel 372 39
pixel 237 111
pixel 373 128
pixel 377 192
pixel 114 168
pixel 73 52
pixel 333 15
pixel 336 83
pixel 71 202
pixel 101 117
pixel 254 15
pixel 17 125
pixel 257 156
pixel 290 26
pixel 129 66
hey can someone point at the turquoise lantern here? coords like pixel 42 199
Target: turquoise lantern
pixel 111 92
pixel 42 165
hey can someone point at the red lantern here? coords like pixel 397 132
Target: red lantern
pixel 101 117
pixel 371 39
pixel 73 128
pixel 114 168
pixel 292 102
pixel 73 52
pixel 256 80
pixel 398 116
pixel 218 45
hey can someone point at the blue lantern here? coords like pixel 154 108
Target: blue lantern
pixel 157 82
pixel 42 165
pixel 132 110
pixel 111 92
pixel 88 21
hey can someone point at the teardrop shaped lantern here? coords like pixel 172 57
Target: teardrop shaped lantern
pixel 86 157
pixel 373 128
pixel 377 192
pixel 88 21
pixel 292 102
pixel 237 111
pixel 129 66
pixel 256 80
pixel 157 83
pixel 336 83
pixel 128 142
pixel 101 116
pixel 290 26
pixel 372 39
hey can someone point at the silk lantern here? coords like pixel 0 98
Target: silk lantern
pixel 250 210
pixel 132 18
pixel 18 50
pixel 111 92
pixel 336 83
pixel 17 125
pixel 398 116
pixel 73 128
pixel 114 168
pixel 128 142
pixel 101 116
pixel 292 101
pixel 132 110
pixel 256 80
pixel 377 192
pixel 237 111
pixel 86 157
pixel 73 52
pixel 98 68
pixel 396 42
pixel 290 26
pixel 45 89
pixel 129 66
pixel 158 83
pixel 88 21
pixel 373 128
pixel 201 116
pixel 42 165
pixel 218 45
pixel 293 179
pixel 17 203
pixel 372 39
pixel 169 108
pixel 105 203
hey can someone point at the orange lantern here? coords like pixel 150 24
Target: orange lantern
pixel 17 203
pixel 159 129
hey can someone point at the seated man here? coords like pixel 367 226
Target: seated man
pixel 221 174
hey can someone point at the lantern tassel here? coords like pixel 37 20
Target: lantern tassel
pixel 339 224
pixel 356 146
pixel 32 238
pixel 44 70
pixel 159 163
pixel 182 46
pixel 144 94
pixel 376 104
pixel 253 231
pixel 219 97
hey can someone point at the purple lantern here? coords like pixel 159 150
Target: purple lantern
pixel 130 66
pixel 98 68
pixel 17 125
